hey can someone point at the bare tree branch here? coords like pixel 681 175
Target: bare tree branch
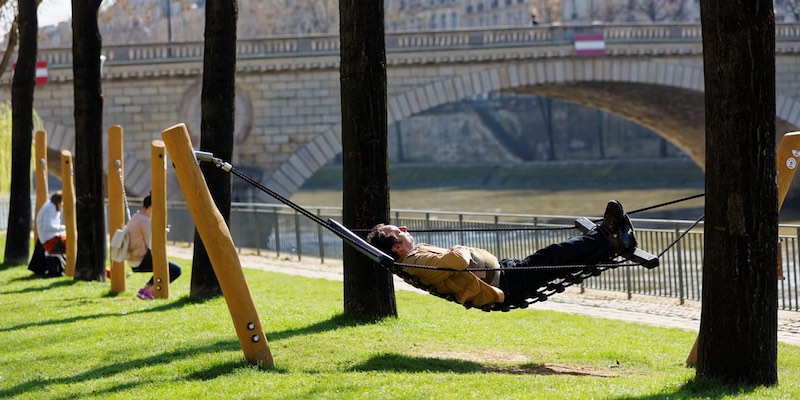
pixel 792 6
pixel 13 38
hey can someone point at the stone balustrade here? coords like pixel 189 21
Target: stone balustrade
pixel 615 34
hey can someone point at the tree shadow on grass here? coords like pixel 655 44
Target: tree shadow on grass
pixel 165 305
pixel 4 266
pixel 699 388
pixel 159 308
pixel 113 368
pixel 216 371
pixel 42 277
pixel 402 363
pixel 54 282
pixel 330 324
pixel 223 369
pixel 114 389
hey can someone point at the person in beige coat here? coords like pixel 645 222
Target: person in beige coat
pixel 139 256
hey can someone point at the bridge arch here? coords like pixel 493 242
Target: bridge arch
pixel 623 86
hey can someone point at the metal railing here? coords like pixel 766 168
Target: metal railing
pixel 281 230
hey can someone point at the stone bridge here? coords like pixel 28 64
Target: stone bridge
pixel 288 114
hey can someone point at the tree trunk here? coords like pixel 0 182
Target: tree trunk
pixel 218 101
pixel 18 236
pixel 90 207
pixel 738 327
pixel 368 288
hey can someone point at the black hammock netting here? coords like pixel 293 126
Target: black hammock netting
pixel 568 275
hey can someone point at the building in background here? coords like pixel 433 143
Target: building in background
pixel 631 10
pixel 787 10
pixel 415 15
pixel 148 21
pixel 412 15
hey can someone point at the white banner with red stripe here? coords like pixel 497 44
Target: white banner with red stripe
pixel 590 45
pixel 41 71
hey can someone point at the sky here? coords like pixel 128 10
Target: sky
pixel 52 12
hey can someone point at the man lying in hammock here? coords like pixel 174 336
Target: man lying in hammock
pixel 613 236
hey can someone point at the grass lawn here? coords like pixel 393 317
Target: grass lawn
pixel 64 339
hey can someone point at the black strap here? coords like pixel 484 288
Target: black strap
pixel 378 256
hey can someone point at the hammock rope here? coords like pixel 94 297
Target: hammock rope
pixel 485 229
pixel 124 194
pixel 542 227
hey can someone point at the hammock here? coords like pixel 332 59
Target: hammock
pixel 557 285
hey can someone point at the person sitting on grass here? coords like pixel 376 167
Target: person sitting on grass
pixel 139 256
pixel 48 251
pixel 512 282
pixel 52 233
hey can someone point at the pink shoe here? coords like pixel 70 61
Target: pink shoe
pixel 145 294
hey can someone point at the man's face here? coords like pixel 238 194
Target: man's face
pixel 405 242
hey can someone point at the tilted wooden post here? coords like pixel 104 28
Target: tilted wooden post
pixel 787 158
pixel 68 211
pixel 41 177
pixel 158 219
pixel 116 204
pixel 218 242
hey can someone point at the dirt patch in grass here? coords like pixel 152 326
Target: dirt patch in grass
pixel 524 367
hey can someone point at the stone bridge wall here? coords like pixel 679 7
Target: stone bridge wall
pixel 288 114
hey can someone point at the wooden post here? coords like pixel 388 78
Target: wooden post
pixel 158 218
pixel 787 158
pixel 41 177
pixel 218 242
pixel 68 211
pixel 116 204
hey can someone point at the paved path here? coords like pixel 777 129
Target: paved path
pixel 650 310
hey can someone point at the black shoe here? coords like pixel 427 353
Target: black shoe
pixel 627 236
pixel 618 228
pixel 612 218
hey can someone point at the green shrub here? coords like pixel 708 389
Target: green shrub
pixel 5 144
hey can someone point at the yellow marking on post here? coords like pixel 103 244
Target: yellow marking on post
pixel 41 176
pixel 116 203
pixel 68 212
pixel 220 247
pixel 158 219
pixel 787 157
